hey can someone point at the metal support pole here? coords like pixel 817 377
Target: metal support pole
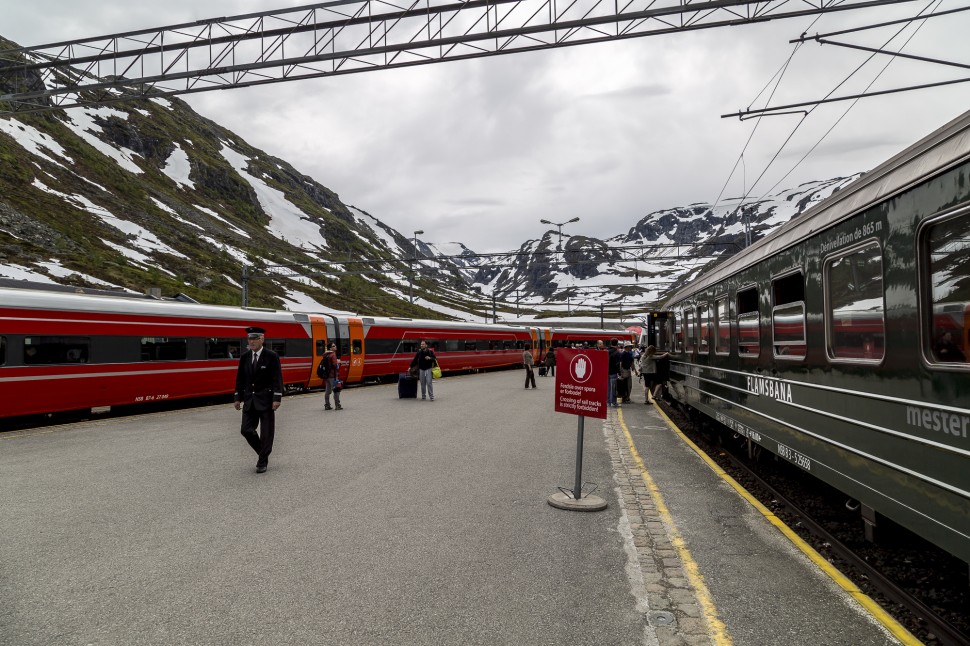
pixel 601 316
pixel 578 487
pixel 494 313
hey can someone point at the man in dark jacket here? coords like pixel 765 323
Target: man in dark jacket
pixel 259 392
pixel 614 371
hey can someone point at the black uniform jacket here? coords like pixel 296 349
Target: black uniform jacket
pixel 258 387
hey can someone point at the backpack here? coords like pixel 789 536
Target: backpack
pixel 323 370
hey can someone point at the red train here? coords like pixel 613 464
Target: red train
pixel 63 352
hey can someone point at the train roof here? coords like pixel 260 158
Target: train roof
pixel 400 322
pixel 946 147
pixel 57 301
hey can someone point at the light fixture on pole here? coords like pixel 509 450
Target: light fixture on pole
pixel 414 256
pixel 560 225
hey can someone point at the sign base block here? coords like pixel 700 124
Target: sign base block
pixel 562 500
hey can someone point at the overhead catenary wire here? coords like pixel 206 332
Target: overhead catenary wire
pixel 853 104
pixel 814 105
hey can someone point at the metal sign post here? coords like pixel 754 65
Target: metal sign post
pixel 581 385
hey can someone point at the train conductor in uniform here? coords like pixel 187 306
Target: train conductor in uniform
pixel 259 392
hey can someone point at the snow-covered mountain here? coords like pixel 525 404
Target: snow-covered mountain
pixel 150 194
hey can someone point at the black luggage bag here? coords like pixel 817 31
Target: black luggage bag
pixel 407 386
pixel 542 371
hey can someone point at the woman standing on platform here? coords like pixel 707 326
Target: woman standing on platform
pixel 424 361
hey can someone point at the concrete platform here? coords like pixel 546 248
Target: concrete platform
pixel 393 522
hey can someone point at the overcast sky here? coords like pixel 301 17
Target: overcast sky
pixel 479 151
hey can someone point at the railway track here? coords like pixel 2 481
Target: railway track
pixel 900 601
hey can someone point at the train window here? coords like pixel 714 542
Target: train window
pixel 947 249
pixel 408 346
pixel 855 312
pixel 380 346
pixel 664 333
pixel 163 349
pixel 56 349
pixel 452 345
pixel 357 346
pixel 788 316
pixel 278 346
pixel 689 331
pixel 3 350
pixel 470 345
pixel 704 327
pixel 321 347
pixel 722 321
pixel 749 328
pixel 679 331
pixel 222 348
pixel 344 347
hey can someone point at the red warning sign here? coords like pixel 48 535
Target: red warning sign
pixel 582 382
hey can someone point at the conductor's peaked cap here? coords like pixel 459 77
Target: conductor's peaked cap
pixel 255 332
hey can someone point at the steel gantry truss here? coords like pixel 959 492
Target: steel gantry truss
pixel 345 37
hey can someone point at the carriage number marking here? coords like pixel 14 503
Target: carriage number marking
pixel 151 398
pixel 737 426
pixel 794 457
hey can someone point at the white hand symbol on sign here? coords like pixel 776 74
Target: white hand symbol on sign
pixel 580 370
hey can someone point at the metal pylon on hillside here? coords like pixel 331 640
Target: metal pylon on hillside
pixel 346 37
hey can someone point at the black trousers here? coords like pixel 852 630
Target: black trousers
pixel 530 375
pixel 262 443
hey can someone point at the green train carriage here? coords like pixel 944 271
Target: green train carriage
pixel 840 342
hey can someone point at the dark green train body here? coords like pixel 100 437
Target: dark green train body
pixel 840 342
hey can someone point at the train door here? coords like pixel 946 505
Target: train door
pixel 318 330
pixel 355 357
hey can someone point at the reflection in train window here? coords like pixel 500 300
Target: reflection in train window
pixel 679 331
pixel 722 321
pixel 947 248
pixel 704 327
pixel 689 332
pixel 55 349
pixel 163 349
pixel 749 324
pixel 788 316
pixel 855 310
pixel 222 348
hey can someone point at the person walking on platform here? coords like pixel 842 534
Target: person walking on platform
pixel 424 360
pixel 625 376
pixel 259 392
pixel 331 374
pixel 614 371
pixel 530 375
pixel 551 362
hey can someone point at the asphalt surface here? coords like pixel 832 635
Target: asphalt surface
pixel 392 522
pixel 389 522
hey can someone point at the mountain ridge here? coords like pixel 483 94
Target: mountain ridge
pixel 151 194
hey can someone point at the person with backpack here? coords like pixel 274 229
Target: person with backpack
pixel 329 371
pixel 425 360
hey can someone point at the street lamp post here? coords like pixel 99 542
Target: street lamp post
pixel 560 225
pixel 414 256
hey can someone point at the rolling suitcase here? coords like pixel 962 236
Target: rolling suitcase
pixel 542 371
pixel 407 386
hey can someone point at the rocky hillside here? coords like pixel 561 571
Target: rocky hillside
pixel 150 194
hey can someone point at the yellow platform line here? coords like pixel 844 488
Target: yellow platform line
pixel 718 631
pixel 898 630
